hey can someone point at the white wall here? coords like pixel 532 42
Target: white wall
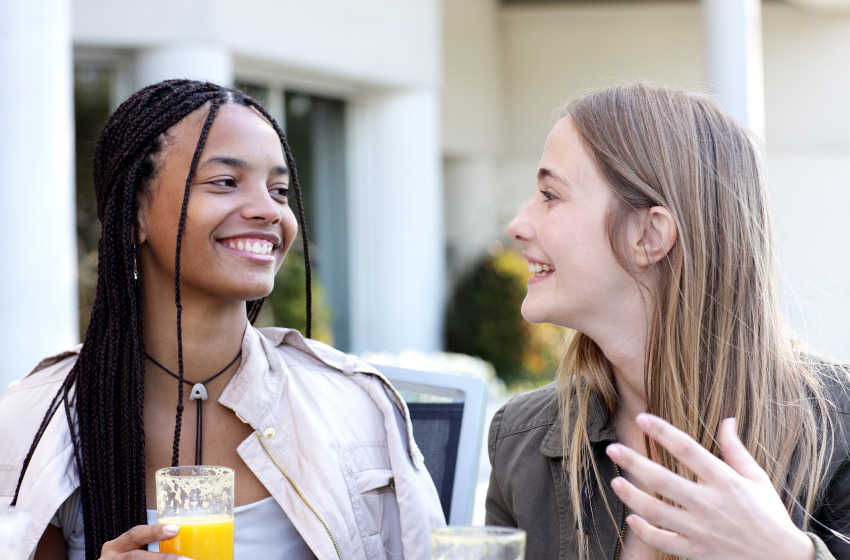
pixel 807 80
pixel 386 42
pixel 473 121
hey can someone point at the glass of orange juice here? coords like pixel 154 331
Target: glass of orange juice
pixel 200 500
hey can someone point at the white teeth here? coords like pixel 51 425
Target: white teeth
pixel 260 247
pixel 540 269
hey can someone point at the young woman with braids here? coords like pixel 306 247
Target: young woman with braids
pixel 685 423
pixel 192 183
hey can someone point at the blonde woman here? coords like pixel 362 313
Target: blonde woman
pixel 685 422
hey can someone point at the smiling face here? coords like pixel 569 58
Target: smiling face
pixel 238 225
pixel 577 281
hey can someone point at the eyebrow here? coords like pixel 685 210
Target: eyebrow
pixel 544 173
pixel 241 164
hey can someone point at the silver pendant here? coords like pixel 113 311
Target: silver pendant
pixel 198 392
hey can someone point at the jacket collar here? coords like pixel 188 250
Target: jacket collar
pixel 599 428
pixel 254 389
pixel 251 380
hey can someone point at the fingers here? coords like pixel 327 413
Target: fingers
pixel 650 508
pixel 665 541
pixel 736 455
pixel 684 448
pixel 137 537
pixel 649 474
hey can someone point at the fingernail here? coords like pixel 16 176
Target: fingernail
pixel 642 420
pixel 616 484
pixel 170 529
pixel 613 451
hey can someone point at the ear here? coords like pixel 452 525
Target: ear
pixel 142 211
pixel 656 234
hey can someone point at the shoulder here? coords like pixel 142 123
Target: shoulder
pixel 834 376
pixel 296 350
pixel 46 376
pixel 312 367
pixel 22 411
pixel 534 409
pixel 828 383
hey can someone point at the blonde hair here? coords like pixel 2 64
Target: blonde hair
pixel 717 345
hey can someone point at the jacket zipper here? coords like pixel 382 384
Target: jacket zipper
pixel 624 525
pixel 301 495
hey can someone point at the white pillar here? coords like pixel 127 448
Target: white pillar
pixel 471 209
pixel 733 46
pixel 197 61
pixel 38 283
pixel 397 263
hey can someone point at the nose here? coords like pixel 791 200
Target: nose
pixel 520 228
pixel 260 205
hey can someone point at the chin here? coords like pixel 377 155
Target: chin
pixel 536 315
pixel 255 291
pixel 530 314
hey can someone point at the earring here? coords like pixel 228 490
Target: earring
pixel 135 268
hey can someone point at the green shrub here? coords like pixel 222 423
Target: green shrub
pixel 484 320
pixel 285 306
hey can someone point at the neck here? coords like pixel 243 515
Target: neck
pixel 623 340
pixel 211 335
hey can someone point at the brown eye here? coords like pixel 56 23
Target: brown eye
pixel 280 192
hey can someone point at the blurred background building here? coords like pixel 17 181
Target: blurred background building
pixel 417 126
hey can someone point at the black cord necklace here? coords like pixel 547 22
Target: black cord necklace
pixel 199 393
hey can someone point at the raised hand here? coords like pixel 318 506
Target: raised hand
pixel 732 511
pixel 126 546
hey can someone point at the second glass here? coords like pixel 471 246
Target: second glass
pixel 200 500
pixel 483 543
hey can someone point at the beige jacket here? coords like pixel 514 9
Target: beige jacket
pixel 332 443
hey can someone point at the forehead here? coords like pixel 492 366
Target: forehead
pixel 236 129
pixel 564 147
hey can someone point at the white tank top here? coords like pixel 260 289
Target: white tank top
pixel 254 524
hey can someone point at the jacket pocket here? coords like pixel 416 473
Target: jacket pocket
pixel 371 487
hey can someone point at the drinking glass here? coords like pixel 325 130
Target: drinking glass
pixel 14 524
pixel 485 543
pixel 200 500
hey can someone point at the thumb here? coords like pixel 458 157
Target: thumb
pixel 735 454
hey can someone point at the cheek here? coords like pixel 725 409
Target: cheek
pixel 290 228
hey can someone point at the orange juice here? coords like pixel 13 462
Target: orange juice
pixel 201 538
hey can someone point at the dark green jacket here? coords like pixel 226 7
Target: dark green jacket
pixel 528 488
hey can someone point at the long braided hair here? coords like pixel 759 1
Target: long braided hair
pixel 107 381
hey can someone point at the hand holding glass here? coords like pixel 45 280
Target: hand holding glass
pixel 485 543
pixel 200 500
